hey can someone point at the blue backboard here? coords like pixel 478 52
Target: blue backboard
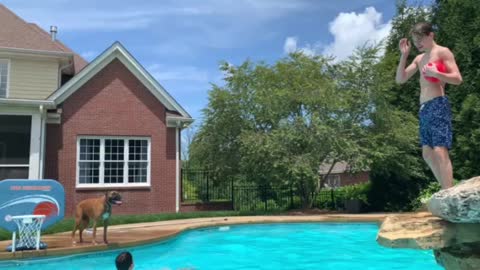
pixel 31 197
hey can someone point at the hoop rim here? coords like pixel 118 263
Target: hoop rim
pixel 27 216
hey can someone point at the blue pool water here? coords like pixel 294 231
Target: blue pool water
pixel 325 246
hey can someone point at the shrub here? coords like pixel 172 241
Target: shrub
pixel 355 192
pixel 426 193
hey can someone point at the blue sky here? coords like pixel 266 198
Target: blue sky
pixel 181 42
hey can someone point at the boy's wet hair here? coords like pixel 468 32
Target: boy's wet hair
pixel 124 260
pixel 421 29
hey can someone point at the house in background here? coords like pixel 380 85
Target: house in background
pixel 93 126
pixel 341 176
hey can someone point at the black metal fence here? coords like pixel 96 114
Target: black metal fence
pixel 205 187
pixel 267 198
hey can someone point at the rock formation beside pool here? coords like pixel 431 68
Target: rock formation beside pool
pixel 452 229
pixel 459 204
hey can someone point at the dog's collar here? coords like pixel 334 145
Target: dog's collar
pixel 108 210
pixel 108 205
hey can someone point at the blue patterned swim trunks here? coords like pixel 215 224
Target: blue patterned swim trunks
pixel 436 123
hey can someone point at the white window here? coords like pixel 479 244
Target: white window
pixel 113 161
pixel 333 181
pixel 4 67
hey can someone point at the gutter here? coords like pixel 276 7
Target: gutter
pixel 36 52
pixel 179 121
pixel 47 104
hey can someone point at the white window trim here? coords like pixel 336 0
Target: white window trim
pixel 336 181
pixel 334 176
pixel 7 91
pixel 101 184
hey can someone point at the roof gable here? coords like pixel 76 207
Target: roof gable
pixel 117 51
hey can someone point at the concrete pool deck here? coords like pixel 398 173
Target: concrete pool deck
pixel 128 235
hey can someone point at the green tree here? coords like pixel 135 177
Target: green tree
pixel 276 124
pixel 216 146
pixel 466 159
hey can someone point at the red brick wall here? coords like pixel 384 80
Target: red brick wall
pixel 114 103
pixel 347 179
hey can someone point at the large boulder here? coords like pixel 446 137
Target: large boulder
pixel 458 204
pixel 456 245
pixel 452 229
pixel 425 231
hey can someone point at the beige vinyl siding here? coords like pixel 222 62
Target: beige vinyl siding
pixel 32 79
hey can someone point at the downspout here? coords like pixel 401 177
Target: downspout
pixel 41 158
pixel 177 168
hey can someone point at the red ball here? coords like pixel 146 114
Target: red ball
pixel 46 208
pixel 440 67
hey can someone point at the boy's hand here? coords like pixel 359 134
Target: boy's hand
pixel 404 46
pixel 430 70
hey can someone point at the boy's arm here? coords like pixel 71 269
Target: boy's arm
pixel 404 74
pixel 453 75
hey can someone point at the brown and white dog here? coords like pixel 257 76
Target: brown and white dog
pixel 95 209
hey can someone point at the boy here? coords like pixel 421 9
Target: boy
pixel 435 114
pixel 124 261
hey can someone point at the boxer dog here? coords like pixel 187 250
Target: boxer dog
pixel 95 209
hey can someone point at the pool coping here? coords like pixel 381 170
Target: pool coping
pixel 128 235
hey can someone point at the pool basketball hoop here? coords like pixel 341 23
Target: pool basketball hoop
pixel 27 207
pixel 29 230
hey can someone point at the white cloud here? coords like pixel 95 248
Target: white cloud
pixel 290 46
pixel 179 73
pixel 351 30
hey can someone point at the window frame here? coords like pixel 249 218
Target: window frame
pixel 7 89
pixel 336 179
pixel 102 161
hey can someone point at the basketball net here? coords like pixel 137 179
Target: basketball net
pixel 29 229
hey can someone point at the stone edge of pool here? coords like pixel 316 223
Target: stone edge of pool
pixel 128 235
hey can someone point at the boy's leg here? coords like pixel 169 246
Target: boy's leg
pixel 427 153
pixel 442 166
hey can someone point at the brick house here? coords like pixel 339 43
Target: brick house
pixel 93 126
pixel 341 176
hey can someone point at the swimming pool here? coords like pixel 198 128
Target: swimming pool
pixel 324 246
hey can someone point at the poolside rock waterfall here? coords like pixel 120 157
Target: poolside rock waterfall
pixel 451 228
